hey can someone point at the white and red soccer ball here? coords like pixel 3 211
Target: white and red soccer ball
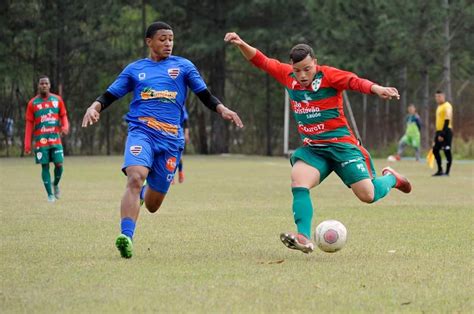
pixel 330 236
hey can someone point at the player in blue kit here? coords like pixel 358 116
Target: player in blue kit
pixel 155 138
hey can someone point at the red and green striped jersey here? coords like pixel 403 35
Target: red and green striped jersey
pixel 46 114
pixel 317 108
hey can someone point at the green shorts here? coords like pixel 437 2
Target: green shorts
pixel 49 154
pixel 350 162
pixel 412 140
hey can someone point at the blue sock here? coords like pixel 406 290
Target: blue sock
pixel 128 227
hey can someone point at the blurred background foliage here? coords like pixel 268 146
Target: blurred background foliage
pixel 416 46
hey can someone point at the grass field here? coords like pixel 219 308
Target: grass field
pixel 214 245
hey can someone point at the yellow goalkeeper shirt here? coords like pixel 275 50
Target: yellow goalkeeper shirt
pixel 443 112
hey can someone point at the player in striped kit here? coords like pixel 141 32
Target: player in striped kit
pixel 328 143
pixel 46 120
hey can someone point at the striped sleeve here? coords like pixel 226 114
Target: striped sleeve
pixel 29 111
pixel 343 80
pixel 273 67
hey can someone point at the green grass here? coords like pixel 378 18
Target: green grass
pixel 214 245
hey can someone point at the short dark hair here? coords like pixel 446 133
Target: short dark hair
pixel 43 77
pixel 154 27
pixel 300 51
pixel 439 91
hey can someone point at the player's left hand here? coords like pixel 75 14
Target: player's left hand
pixel 385 92
pixel 228 114
pixel 64 131
pixel 92 116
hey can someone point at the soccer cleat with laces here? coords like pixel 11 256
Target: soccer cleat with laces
pixel 297 241
pixel 125 246
pixel 402 183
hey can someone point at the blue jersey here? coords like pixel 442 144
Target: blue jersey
pixel 159 93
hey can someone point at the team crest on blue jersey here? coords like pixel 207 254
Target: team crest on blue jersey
pixel 135 150
pixel 141 76
pixel 173 72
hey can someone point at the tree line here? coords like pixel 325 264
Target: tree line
pixel 416 46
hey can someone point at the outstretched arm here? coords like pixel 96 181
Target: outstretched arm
pixel 92 114
pixel 275 68
pixel 248 51
pixel 385 92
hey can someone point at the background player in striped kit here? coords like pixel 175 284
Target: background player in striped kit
pixel 329 145
pixel 46 120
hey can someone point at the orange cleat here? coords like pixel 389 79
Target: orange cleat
pixel 402 183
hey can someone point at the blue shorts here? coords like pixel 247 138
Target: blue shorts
pixel 143 149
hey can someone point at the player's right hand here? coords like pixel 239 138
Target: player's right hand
pixel 92 116
pixel 233 38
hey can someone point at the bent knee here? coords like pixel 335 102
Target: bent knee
pixel 135 181
pixel 298 183
pixel 153 207
pixel 366 197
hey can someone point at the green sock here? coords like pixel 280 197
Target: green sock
pixel 302 210
pixel 46 178
pixel 382 185
pixel 58 171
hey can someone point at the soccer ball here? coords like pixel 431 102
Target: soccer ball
pixel 330 236
pixel 391 158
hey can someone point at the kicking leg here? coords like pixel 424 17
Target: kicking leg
pixel 370 191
